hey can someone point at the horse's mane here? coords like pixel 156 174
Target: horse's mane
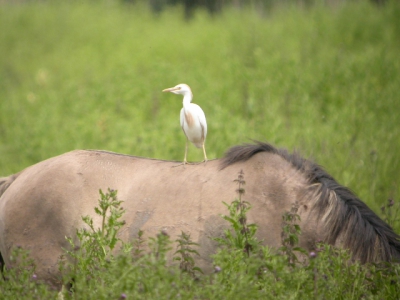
pixel 345 216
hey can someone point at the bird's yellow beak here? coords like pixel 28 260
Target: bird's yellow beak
pixel 172 89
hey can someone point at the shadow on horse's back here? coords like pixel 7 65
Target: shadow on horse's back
pixel 44 203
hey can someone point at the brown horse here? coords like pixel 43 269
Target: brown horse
pixel 44 203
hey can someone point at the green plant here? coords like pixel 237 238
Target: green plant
pixel 19 279
pixel 290 235
pixel 93 252
pixel 137 245
pixel 185 251
pixel 242 235
pixel 160 245
pixel 390 213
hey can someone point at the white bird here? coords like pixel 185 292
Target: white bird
pixel 193 120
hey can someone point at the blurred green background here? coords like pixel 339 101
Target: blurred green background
pixel 322 78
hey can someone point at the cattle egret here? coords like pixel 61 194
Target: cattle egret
pixel 193 120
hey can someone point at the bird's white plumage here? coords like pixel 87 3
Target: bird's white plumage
pixel 196 131
pixel 192 118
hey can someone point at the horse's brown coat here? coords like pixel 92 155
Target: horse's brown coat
pixel 44 203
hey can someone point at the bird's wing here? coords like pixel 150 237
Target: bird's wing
pixel 182 118
pixel 202 119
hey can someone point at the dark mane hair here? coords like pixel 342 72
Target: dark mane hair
pixel 344 215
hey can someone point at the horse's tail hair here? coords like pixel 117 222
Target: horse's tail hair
pixel 5 182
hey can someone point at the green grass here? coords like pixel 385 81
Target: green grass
pixel 88 75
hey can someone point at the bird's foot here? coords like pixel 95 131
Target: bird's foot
pixel 190 163
pixel 182 164
pixel 200 162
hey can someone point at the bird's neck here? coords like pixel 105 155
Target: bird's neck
pixel 187 99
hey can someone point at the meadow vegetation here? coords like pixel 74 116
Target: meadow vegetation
pixel 322 79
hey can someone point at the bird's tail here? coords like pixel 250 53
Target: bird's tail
pixel 198 145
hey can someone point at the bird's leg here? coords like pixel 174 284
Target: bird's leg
pixel 184 160
pixel 205 155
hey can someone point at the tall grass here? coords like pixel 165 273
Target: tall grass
pixel 323 79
